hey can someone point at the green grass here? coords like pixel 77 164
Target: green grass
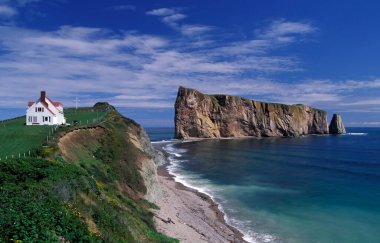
pixel 82 116
pixel 17 138
pixel 91 198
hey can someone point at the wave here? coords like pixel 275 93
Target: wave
pixel 356 133
pixel 165 141
pixel 204 186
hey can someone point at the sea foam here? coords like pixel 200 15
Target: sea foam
pixel 202 185
pixel 356 133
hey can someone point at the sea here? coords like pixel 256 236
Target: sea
pixel 316 188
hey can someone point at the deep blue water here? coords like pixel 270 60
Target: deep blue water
pixel 160 133
pixel 307 189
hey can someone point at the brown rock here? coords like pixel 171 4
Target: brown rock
pixel 212 116
pixel 336 125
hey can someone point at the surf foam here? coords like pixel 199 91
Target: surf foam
pixel 189 180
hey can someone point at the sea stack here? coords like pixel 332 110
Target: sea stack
pixel 336 125
pixel 199 115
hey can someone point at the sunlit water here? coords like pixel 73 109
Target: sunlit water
pixel 306 189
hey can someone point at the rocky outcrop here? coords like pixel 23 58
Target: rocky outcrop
pixel 148 166
pixel 212 116
pixel 336 125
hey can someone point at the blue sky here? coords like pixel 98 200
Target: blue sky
pixel 135 54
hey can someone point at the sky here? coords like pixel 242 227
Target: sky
pixel 135 54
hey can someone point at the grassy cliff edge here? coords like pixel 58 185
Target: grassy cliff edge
pixel 91 185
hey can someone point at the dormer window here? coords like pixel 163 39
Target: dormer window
pixel 40 109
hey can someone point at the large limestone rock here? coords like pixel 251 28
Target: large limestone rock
pixel 212 116
pixel 336 125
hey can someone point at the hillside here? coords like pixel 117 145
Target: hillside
pixel 16 138
pixel 89 185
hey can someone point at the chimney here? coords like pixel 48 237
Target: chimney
pixel 43 99
pixel 43 96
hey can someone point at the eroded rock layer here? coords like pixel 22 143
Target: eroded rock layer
pixel 212 116
pixel 336 125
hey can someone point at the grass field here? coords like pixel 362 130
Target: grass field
pixel 17 138
pixel 83 117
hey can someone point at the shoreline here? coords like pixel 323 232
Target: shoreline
pixel 189 215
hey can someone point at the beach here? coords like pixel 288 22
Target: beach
pixel 190 216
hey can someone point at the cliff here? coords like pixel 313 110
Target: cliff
pixel 119 156
pixel 212 116
pixel 336 125
pixel 89 184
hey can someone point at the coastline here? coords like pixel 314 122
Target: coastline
pixel 194 216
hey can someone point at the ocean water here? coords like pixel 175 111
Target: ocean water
pixel 158 134
pixel 306 189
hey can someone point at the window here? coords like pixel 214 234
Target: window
pixel 46 118
pixel 36 109
pixel 49 119
pixel 40 109
pixel 34 119
pixel 29 119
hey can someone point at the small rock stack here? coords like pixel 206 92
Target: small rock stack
pixel 336 125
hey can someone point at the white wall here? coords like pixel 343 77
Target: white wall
pixel 39 117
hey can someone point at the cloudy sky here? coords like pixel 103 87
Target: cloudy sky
pixel 135 54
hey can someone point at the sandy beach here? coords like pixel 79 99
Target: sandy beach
pixel 190 216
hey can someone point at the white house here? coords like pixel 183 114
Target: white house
pixel 44 111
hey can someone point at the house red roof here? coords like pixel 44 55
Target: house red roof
pixel 55 103
pixel 43 99
pixel 47 107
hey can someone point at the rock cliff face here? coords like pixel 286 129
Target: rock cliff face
pixel 336 125
pixel 124 146
pixel 211 116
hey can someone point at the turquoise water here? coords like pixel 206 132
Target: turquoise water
pixel 160 133
pixel 307 189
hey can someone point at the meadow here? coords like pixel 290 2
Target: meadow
pixel 92 195
pixel 17 139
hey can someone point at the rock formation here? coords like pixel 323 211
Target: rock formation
pixel 336 125
pixel 212 116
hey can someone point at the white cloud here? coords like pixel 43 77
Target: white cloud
pixel 23 3
pixel 9 9
pixel 364 102
pixel 194 30
pixel 172 17
pixel 172 20
pixel 283 28
pixel 162 11
pixel 364 124
pixel 137 70
pixel 124 7
pixel 7 12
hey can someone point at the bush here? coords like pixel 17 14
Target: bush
pixel 29 209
